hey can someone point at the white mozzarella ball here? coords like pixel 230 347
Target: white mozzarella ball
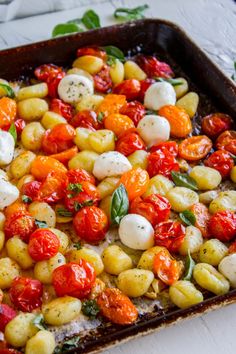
pixel 159 95
pixel 154 129
pixel 136 232
pixel 72 88
pixel 111 163
pixel 228 268
pixel 8 193
pixel 7 146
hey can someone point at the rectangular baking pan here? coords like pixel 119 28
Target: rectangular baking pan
pixel 217 93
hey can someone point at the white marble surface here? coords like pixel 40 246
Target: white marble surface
pixel 212 24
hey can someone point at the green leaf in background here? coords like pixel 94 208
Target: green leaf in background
pixel 38 321
pixel 173 82
pixel 90 308
pixel 114 52
pixel 8 90
pixel 189 265
pixel 233 77
pixel 91 20
pixel 184 180
pixel 13 132
pixel 65 28
pixel 119 204
pixel 187 217
pixel 41 224
pixel 126 14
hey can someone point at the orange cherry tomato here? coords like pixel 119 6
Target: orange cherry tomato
pixel 118 123
pixel 130 88
pixel 111 104
pixel 216 123
pixel 7 112
pixel 202 216
pixel 166 268
pixel 227 141
pixel 43 165
pixel 20 224
pixel 52 189
pixel 169 234
pixel 66 155
pixel 117 307
pixel 15 207
pixel 58 139
pixel 135 181
pixel 180 122
pixel 195 148
pixel 43 245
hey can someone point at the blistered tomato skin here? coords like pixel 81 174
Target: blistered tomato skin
pixel 95 51
pixel 58 139
pixel 195 148
pixel 30 189
pixel 88 194
pixel 169 234
pixel 134 110
pixel 166 268
pixel 222 226
pixel 7 313
pixel 162 162
pixel 202 217
pixel 19 124
pixel 86 119
pixel 221 161
pixel 171 146
pixel 52 189
pixel 135 181
pixel 153 67
pixel 62 108
pixel 43 245
pixel 7 112
pixel 130 88
pixel 129 142
pixel 227 141
pixel 216 123
pixel 19 224
pixel 102 80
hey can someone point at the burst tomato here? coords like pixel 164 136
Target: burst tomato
pixel 52 189
pixel 45 71
pixel 216 123
pixel 129 142
pixel 43 165
pixel 19 124
pixel 179 120
pixel 118 123
pixel 9 351
pixel 31 189
pixel 166 268
pixel 153 67
pixel 64 109
pixel 95 51
pixel 7 112
pixel 221 161
pixel 130 88
pixel 102 80
pixel 154 208
pixel 66 156
pixel 195 148
pixel 91 224
pixel 17 206
pixel 74 279
pixel 79 175
pixel 53 83
pixel 222 225
pixel 26 293
pixel 161 162
pixel 134 110
pixel 20 224
pixel 202 217
pixel 58 139
pixel 227 141
pixel 6 315
pixel 135 181
pixel 232 248
pixel 111 104
pixel 169 234
pixel 144 85
pixel 117 307
pixel 171 146
pixel 43 245
pixel 81 194
pixel 86 119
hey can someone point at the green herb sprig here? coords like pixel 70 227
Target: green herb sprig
pixel 8 90
pixel 127 14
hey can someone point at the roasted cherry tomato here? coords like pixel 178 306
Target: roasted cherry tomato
pixel 26 293
pixel 135 181
pixel 102 80
pixel 19 224
pixel 166 268
pixel 31 189
pixel 58 139
pixel 195 148
pixel 118 123
pixel 202 217
pixel 9 351
pixel 17 206
pixel 130 88
pixel 74 279
pixel 232 248
pixel 66 155
pixel 53 83
pixel 179 120
pixel 216 123
pixel 95 51
pixel 222 225
pixel 154 208
pixel 129 142
pixel 7 112
pixel 111 104
pixel 43 165
pixel 169 234
pixel 171 146
pixel 64 109
pixel 79 195
pixel 79 175
pixel 162 162
pixel 43 245
pixel 91 224
pixel 227 141
pixel 144 85
pixel 19 124
pixel 45 71
pixel 221 161
pixel 153 67
pixel 86 119
pixel 117 307
pixel 134 110
pixel 52 189
pixel 6 315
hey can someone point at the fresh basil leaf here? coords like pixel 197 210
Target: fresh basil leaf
pixel 64 212
pixel 189 265
pixel 41 224
pixel 173 82
pixel 184 180
pixel 114 52
pixel 79 206
pixel 65 28
pixel 77 245
pixel 38 321
pixel 91 20
pixel 8 90
pixel 187 217
pixel 13 132
pixel 26 199
pixel 126 14
pixel 233 77
pixel 111 61
pixel 67 345
pixel 90 308
pixel 119 204
pixel 100 117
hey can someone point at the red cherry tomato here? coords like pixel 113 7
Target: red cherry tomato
pixel 79 175
pixel 129 142
pixel 26 293
pixel 43 245
pixel 64 109
pixel 222 225
pixel 153 67
pixel 221 161
pixel 130 88
pixel 6 315
pixel 58 139
pixel 81 194
pixel 74 279
pixel 134 110
pixel 216 123
pixel 232 248
pixel 53 83
pixel 91 224
pixel 95 51
pixel 19 124
pixel 45 71
pixel 169 234
pixel 162 162
pixel 145 84
pixel 166 268
pixel 20 224
pixel 52 189
pixel 9 351
pixel 154 208
pixel 171 146
pixel 30 189
pixel 202 217
pixel 102 80
pixel 227 141
pixel 86 119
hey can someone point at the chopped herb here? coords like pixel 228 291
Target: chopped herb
pixel 63 29
pixel 13 132
pixel 41 224
pixel 100 117
pixel 188 217
pixel 26 199
pixel 149 111
pixel 77 245
pixel 75 187
pixel 189 265
pixel 64 212
pixel 8 90
pixel 67 345
pixel 114 52
pixel 91 20
pixel 173 82
pixel 38 321
pixel 126 14
pixel 111 60
pixel 90 308
pixel 233 77
pixel 119 204
pixel 184 180
pixel 79 206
